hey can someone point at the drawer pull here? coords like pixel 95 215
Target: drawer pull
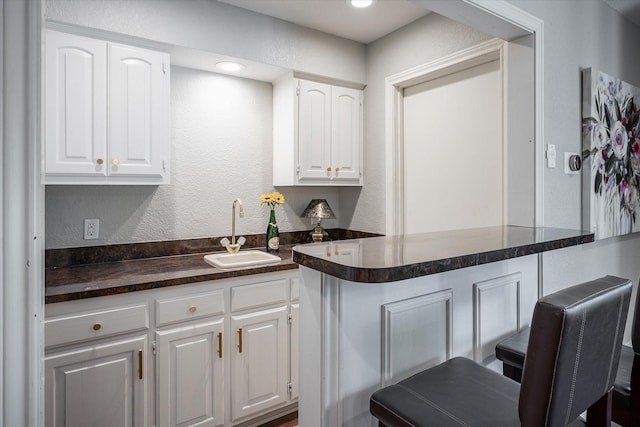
pixel 97 326
pixel 99 161
pixel 140 364
pixel 192 309
pixel 240 340
pixel 115 162
pixel 220 345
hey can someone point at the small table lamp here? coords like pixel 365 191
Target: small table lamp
pixel 317 210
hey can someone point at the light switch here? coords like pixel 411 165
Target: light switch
pixel 551 155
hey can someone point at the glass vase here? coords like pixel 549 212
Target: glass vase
pixel 273 236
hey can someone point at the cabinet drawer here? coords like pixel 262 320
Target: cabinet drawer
pixel 258 295
pixel 189 307
pixel 95 324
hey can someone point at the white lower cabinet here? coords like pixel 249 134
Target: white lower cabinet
pixel 98 385
pixel 190 375
pixel 223 352
pixel 259 363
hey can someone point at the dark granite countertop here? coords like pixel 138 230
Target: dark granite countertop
pixel 109 278
pixel 94 271
pixel 392 258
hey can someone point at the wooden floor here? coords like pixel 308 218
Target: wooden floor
pixel 290 420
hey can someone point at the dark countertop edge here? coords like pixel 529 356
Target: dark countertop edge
pixel 114 290
pixel 91 288
pixel 373 275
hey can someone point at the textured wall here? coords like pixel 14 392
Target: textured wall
pixel 221 133
pixel 580 34
pixel 211 26
pixel 420 42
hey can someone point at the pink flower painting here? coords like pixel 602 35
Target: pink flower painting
pixel 610 129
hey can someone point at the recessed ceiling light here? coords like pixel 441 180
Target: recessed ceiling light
pixel 361 3
pixel 230 66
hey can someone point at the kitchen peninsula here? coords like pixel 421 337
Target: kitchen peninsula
pixel 374 311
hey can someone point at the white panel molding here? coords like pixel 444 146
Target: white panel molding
pixel 331 320
pixel 504 290
pixel 421 310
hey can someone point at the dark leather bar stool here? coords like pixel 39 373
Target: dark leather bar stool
pixel 576 336
pixel 626 393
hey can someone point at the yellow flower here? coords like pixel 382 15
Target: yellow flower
pixel 272 199
pixel 265 198
pixel 278 198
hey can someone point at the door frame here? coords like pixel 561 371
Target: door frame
pixel 394 95
pixel 509 15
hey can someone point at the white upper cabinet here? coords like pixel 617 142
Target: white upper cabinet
pixel 106 112
pixel 317 133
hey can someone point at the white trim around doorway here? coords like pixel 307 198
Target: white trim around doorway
pixel 395 84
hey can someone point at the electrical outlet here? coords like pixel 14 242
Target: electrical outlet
pixel 91 229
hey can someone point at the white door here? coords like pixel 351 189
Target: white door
pixel 75 104
pixel 97 385
pixel 190 375
pixel 138 89
pixel 260 362
pixel 346 108
pixel 453 151
pixel 314 130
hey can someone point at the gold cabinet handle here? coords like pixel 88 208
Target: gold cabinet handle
pixel 192 309
pixel 337 170
pixel 97 326
pixel 220 345
pixel 99 161
pixel 240 340
pixel 140 364
pixel 115 162
pixel 329 169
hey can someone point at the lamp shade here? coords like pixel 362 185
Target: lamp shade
pixel 318 208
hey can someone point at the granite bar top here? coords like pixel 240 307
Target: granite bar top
pixel 392 258
pixel 95 280
pixel 86 272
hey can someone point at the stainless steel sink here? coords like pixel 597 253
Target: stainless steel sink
pixel 241 259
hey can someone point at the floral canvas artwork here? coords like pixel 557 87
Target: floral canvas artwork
pixel 611 139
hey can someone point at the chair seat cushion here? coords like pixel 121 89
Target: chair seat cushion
pixel 513 349
pixel 476 395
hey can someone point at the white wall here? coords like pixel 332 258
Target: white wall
pixel 420 42
pixel 222 149
pixel 211 26
pixel 221 126
pixel 221 145
pixel 580 34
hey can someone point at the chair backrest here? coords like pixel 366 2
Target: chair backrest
pixel 573 352
pixel 635 326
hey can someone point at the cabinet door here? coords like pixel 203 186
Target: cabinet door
pixel 100 385
pixel 190 376
pixel 75 105
pixel 314 130
pixel 260 361
pixel 138 101
pixel 295 350
pixel 346 137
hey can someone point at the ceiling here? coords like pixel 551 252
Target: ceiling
pixel 338 17
pixel 366 25
pixel 630 9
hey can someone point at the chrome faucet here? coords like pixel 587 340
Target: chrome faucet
pixel 234 247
